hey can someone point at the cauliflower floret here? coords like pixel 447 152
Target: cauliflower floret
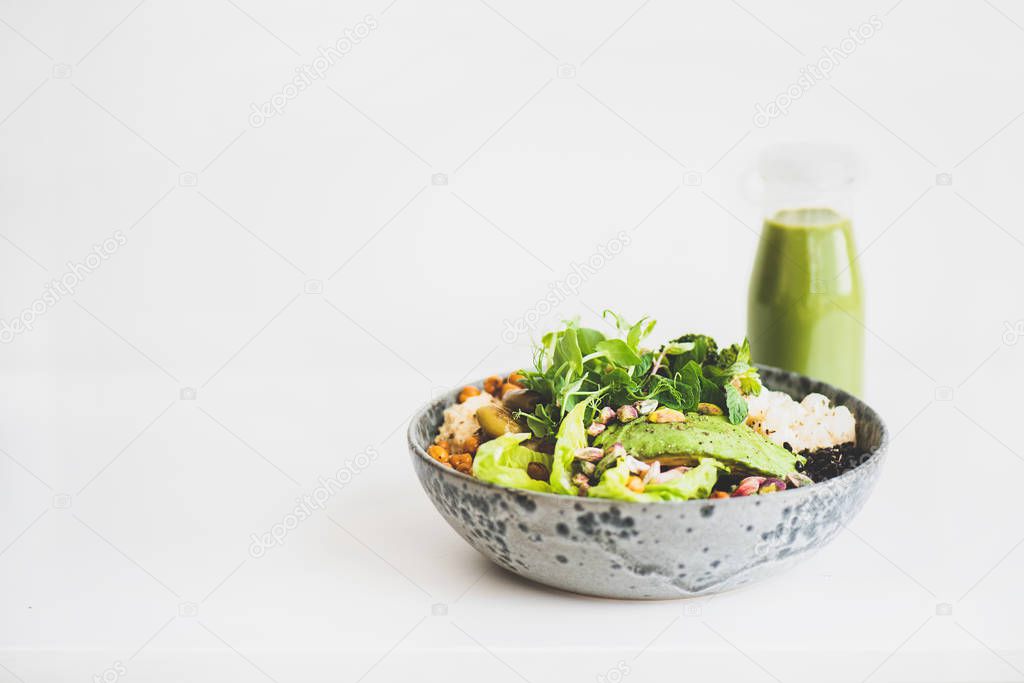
pixel 809 425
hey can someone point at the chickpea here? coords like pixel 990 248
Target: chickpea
pixel 468 392
pixel 492 385
pixel 506 388
pixel 718 494
pixel 471 444
pixel 635 484
pixel 463 462
pixel 439 453
pixel 516 378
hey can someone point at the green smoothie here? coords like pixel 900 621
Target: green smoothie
pixel 805 306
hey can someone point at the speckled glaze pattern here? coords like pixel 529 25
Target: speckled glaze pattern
pixel 651 550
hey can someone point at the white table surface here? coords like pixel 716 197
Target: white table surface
pixel 313 283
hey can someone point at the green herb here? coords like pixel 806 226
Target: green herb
pixel 577 366
pixel 738 409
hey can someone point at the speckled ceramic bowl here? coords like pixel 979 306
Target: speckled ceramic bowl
pixel 651 550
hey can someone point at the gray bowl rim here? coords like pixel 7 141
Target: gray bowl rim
pixel 828 390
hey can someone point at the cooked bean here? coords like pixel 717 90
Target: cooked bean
pixel 463 462
pixel 492 384
pixel 538 471
pixel 439 453
pixel 468 392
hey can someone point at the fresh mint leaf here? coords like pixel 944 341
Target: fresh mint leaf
pixel 736 403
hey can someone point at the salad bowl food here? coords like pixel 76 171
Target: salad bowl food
pixel 680 493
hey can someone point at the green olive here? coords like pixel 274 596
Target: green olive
pixel 522 399
pixel 496 421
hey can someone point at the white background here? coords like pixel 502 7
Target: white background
pixel 126 512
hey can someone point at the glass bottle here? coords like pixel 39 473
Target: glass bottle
pixel 805 308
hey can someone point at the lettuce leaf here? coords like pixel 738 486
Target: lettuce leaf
pixel 572 435
pixel 613 485
pixel 693 484
pixel 503 461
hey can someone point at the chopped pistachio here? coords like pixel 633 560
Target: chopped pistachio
pixel 652 472
pixel 666 415
pixel 588 454
pixel 748 486
pixel 708 409
pixel 626 413
pixel 582 483
pixel 798 479
pixel 636 466
pixel 645 407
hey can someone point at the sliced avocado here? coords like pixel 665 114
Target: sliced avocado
pixel 739 447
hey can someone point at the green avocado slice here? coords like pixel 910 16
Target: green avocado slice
pixel 739 447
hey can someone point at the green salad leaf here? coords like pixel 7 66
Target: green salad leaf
pixel 578 365
pixel 636 332
pixel 572 435
pixel 588 340
pixel 695 483
pixel 692 484
pixel 579 371
pixel 619 352
pixel 504 461
pixel 738 408
pixel 613 485
pixel 734 363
